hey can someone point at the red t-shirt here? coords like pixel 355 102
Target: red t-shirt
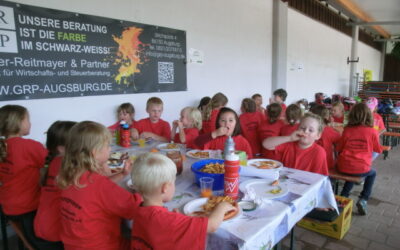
pixel 378 122
pixel 338 119
pixel 288 129
pixel 250 122
pixel 328 139
pixel 19 175
pixel 311 159
pixel 355 149
pixel 160 128
pixel 47 220
pixel 241 144
pixel 282 116
pixel 267 130
pixel 91 215
pixel 157 228
pixel 117 125
pixel 210 125
pixel 190 135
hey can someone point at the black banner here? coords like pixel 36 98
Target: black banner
pixel 46 53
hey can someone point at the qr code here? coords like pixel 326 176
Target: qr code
pixel 165 72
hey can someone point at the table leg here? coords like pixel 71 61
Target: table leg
pixel 292 239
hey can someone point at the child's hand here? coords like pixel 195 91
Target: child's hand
pixel 146 135
pixel 127 167
pixel 175 124
pixel 225 207
pixel 134 134
pixel 221 131
pixel 180 125
pixel 296 135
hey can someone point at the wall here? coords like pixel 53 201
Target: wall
pixel 317 59
pixel 235 38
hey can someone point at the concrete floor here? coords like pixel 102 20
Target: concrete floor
pixel 379 230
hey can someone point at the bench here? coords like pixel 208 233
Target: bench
pixel 334 174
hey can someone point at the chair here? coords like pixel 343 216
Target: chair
pixel 334 174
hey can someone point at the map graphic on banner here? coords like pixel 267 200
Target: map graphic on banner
pixel 47 53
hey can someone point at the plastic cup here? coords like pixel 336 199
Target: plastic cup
pixel 206 185
pixel 142 142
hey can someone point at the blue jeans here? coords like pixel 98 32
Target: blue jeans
pixel 368 183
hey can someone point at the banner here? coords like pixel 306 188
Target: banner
pixel 46 53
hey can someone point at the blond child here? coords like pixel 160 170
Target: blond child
pixel 154 226
pixel 188 127
pixel 298 150
pixel 337 112
pixel 126 113
pixel 211 111
pixel 153 127
pixel 92 205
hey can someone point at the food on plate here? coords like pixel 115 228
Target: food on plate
pixel 200 154
pixel 265 164
pixel 154 150
pixel 213 168
pixel 275 191
pixel 275 183
pixel 212 202
pixel 171 146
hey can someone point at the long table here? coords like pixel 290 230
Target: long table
pixel 271 221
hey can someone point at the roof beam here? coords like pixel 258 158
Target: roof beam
pixel 374 23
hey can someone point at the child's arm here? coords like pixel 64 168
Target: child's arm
pixel 217 216
pixel 134 134
pixel 145 135
pixel 116 178
pixel 272 142
pixel 173 131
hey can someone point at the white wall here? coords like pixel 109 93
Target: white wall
pixel 321 54
pixel 235 38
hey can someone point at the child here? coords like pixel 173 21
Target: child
pixel 329 137
pixel 211 111
pixel 125 112
pixel 293 116
pixel 259 101
pixel 92 206
pixel 299 150
pixel 250 121
pixel 154 226
pixel 188 127
pixel 20 163
pixel 280 98
pixel 47 223
pixel 337 112
pixel 227 118
pixel 271 127
pixel 203 103
pixel 372 104
pixel 153 127
pixel 358 142
pixel 319 98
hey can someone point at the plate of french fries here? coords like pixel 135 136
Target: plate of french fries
pixel 203 207
pixel 265 164
pixel 204 154
pixel 169 147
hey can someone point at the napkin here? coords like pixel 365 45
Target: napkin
pixel 250 195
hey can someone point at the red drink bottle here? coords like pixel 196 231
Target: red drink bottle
pixel 125 134
pixel 232 165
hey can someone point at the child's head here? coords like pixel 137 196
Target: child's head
pixel 154 175
pixel 248 105
pixel 293 114
pixel 14 121
pixel 154 107
pixel 191 118
pixel 217 101
pixel 280 95
pixel 360 114
pixel 311 126
pixel 372 103
pixel 126 112
pixel 319 97
pixel 273 112
pixel 337 109
pixel 322 111
pixel 56 138
pixel 228 118
pixel 203 102
pixel 87 149
pixel 258 99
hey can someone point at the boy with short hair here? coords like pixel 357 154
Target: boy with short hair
pixel 280 98
pixel 154 226
pixel 153 127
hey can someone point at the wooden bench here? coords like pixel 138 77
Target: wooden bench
pixel 334 174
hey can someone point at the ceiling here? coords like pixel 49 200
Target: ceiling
pixel 372 11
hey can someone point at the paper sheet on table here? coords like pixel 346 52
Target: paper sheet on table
pixel 260 173
pixel 307 178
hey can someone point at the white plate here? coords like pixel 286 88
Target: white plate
pixel 262 188
pixel 195 205
pixel 213 154
pixel 136 142
pixel 252 162
pixel 164 147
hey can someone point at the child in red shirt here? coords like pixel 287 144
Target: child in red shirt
pixel 125 112
pixel 337 112
pixel 20 163
pixel 299 150
pixel 153 127
pixel 271 127
pixel 211 111
pixel 293 116
pixel 250 121
pixel 188 127
pixel 92 205
pixel 329 137
pixel 228 118
pixel 359 140
pixel 372 104
pixel 47 222
pixel 154 226
pixel 280 98
pixel 259 101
